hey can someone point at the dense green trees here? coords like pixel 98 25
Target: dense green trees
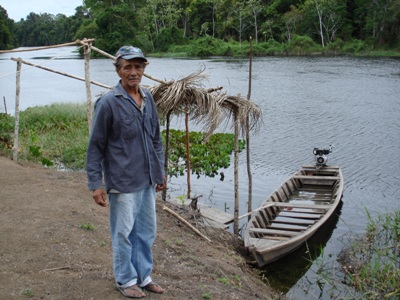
pixel 156 25
pixel 7 38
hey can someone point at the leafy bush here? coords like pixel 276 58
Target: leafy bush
pixel 301 45
pixel 354 46
pixel 336 46
pixel 205 157
pixel 207 46
pixel 272 47
pixel 51 133
pixel 6 130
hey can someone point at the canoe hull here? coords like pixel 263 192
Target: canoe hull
pixel 293 213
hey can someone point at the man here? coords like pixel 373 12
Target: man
pixel 125 145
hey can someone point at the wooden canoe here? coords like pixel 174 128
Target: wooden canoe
pixel 293 213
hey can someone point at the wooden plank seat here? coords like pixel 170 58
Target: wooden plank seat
pixel 274 232
pixel 274 237
pixel 298 213
pixel 301 205
pixel 285 220
pixel 312 177
pixel 283 226
pixel 290 214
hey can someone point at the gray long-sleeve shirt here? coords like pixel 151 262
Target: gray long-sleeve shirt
pixel 125 143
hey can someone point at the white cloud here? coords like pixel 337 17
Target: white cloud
pixel 17 9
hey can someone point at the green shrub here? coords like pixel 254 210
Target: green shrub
pixel 336 46
pixel 54 133
pixel 354 46
pixel 6 130
pixel 301 45
pixel 207 46
pixel 273 47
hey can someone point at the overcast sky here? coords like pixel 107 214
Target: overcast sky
pixel 17 9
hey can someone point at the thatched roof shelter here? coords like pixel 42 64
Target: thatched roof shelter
pixel 209 107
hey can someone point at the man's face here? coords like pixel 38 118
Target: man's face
pixel 131 72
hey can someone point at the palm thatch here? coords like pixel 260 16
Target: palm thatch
pixel 208 107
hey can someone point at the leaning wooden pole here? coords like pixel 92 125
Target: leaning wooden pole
pixel 166 154
pixel 61 73
pixel 236 175
pixel 250 176
pixel 171 212
pixel 16 120
pixel 87 82
pixel 187 150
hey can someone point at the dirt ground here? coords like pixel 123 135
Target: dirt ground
pixel 55 244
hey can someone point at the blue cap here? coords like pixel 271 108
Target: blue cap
pixel 129 52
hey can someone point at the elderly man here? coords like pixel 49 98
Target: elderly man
pixel 125 145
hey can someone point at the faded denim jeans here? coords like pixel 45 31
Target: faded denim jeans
pixel 133 231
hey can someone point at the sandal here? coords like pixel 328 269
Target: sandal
pixel 154 288
pixel 132 291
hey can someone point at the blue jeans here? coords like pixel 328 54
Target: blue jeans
pixel 133 231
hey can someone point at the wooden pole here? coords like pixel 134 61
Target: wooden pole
pixel 60 73
pixel 87 81
pixel 166 154
pixel 46 47
pixel 236 176
pixel 185 222
pixel 16 120
pixel 256 210
pixel 250 176
pixel 187 149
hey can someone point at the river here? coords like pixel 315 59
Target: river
pixel 306 102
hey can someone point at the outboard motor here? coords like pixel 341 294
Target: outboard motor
pixel 321 158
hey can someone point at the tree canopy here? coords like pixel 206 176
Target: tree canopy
pixel 158 25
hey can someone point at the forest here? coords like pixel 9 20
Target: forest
pixel 215 27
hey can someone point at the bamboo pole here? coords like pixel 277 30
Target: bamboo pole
pixel 256 210
pixel 185 222
pixel 16 120
pixel 84 42
pixel 87 82
pixel 45 47
pixel 60 73
pixel 250 176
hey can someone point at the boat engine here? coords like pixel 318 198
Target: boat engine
pixel 321 157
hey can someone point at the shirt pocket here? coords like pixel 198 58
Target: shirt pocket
pixel 129 128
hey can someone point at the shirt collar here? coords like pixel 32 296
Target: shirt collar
pixel 120 91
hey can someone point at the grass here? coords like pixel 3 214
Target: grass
pixel 369 266
pixel 55 134
pixel 27 292
pixel 372 264
pixel 87 226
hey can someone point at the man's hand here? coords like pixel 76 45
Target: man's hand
pixel 160 187
pixel 100 196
